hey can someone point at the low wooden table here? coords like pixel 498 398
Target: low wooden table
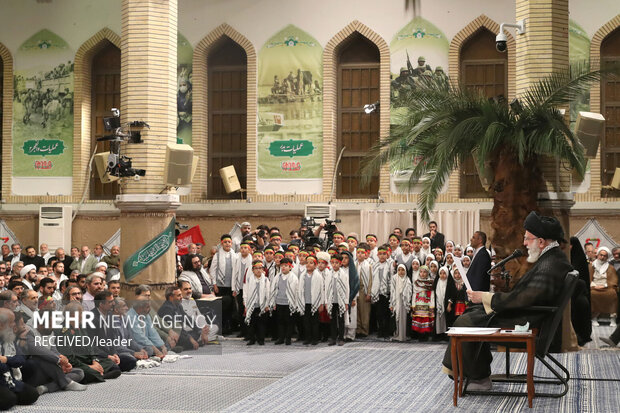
pixel 456 351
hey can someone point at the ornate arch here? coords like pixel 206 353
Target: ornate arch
pixel 200 105
pixel 330 94
pixel 82 105
pixel 465 34
pixel 595 98
pixel 7 120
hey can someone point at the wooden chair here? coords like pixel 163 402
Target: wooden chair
pixel 546 332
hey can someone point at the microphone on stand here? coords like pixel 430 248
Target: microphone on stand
pixel 515 254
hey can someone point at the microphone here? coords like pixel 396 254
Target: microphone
pixel 515 254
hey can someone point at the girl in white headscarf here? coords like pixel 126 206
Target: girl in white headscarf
pixel 429 258
pixel 450 247
pixel 440 287
pixel 469 251
pixel 433 269
pixel 458 251
pixel 415 269
pixel 400 301
pixel 449 261
pixel 466 262
pixel 426 246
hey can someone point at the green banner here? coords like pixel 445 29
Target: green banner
pixel 290 106
pixel 291 148
pixel 149 253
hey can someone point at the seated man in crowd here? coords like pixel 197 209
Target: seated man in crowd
pixel 603 287
pixel 541 285
pixel 85 262
pixel 29 300
pixel 9 300
pixel 12 390
pixel 207 332
pixel 114 287
pixel 29 275
pixel 170 313
pixel 97 368
pixel 49 371
pixel 123 330
pixel 104 330
pixel 143 330
pixel 94 285
pixel 201 282
pixel 31 257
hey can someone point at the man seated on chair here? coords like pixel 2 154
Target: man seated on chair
pixel 541 285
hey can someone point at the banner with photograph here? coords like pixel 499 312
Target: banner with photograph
pixel 418 50
pixel 290 106
pixel 43 107
pixel 579 53
pixel 184 89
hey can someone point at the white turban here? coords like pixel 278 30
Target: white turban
pixel 27 269
pixel 102 264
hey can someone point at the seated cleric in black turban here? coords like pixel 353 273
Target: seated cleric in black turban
pixel 541 285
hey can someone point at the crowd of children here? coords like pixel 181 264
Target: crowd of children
pixel 400 290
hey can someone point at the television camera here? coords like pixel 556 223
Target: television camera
pixel 307 232
pixel 120 165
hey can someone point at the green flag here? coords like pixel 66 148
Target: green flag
pixel 149 253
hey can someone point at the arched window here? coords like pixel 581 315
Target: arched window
pixel 485 69
pixel 106 94
pixel 227 107
pixel 610 107
pixel 357 132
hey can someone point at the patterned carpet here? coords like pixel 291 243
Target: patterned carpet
pixel 365 375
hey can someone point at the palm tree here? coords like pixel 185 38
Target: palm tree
pixel 439 125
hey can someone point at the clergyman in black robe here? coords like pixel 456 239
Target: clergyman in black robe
pixel 541 285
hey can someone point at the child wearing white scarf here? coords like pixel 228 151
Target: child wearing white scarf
pixel 400 301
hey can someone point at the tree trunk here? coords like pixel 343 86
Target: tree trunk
pixel 514 190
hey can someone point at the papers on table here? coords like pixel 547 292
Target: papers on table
pixel 473 330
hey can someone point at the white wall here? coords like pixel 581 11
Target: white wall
pixel 73 20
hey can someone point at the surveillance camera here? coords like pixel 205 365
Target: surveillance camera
pixel 500 42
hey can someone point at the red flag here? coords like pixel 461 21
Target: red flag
pixel 191 236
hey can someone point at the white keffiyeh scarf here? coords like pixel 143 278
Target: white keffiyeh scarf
pixel 342 290
pixel 291 291
pixel 251 296
pixel 381 273
pixel 317 296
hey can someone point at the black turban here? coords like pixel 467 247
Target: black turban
pixel 544 227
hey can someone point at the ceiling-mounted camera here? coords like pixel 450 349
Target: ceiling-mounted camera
pixel 501 40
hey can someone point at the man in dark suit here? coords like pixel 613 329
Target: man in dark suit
pixel 437 238
pixel 480 264
pixel 541 285
pixel 32 258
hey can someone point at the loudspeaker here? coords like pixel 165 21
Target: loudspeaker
pixel 589 130
pixel 178 170
pixel 615 181
pixel 101 164
pixel 229 177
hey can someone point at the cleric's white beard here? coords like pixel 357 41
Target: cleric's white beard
pixel 533 253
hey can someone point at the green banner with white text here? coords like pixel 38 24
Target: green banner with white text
pixel 149 253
